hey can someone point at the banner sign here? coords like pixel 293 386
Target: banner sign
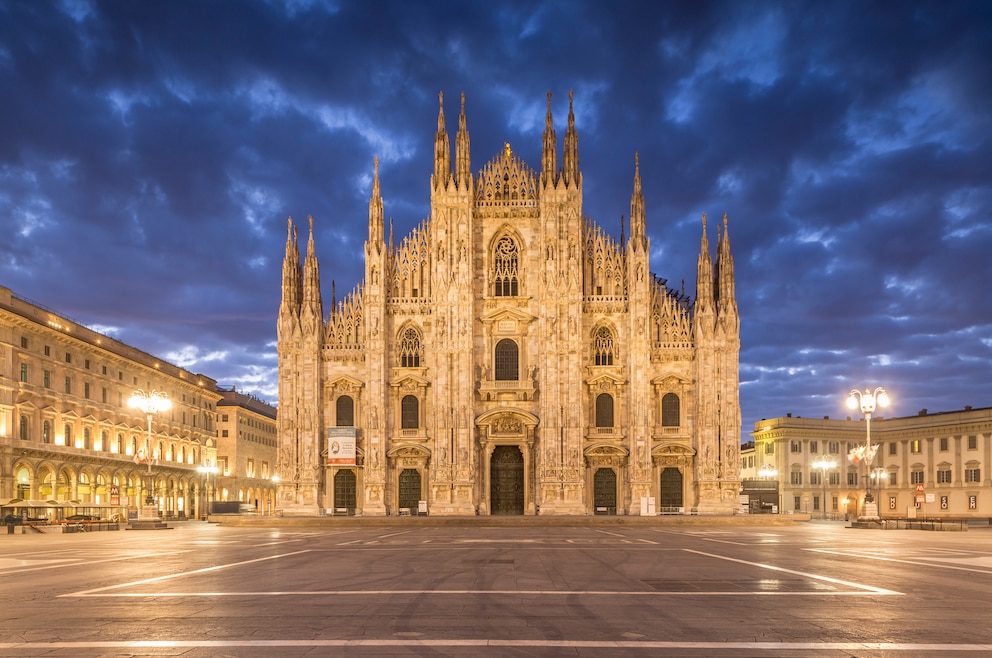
pixel 341 446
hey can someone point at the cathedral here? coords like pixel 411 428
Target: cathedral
pixel 508 356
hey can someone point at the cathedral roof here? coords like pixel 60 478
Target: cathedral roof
pixel 506 180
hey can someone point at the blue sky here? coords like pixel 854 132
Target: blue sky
pixel 150 153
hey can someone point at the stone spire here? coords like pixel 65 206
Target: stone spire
pixel 725 294
pixel 311 312
pixel 549 152
pixel 292 274
pixel 570 157
pixel 638 231
pixel 463 161
pixel 704 277
pixel 442 150
pixel 376 215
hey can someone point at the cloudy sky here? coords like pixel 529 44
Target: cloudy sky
pixel 150 153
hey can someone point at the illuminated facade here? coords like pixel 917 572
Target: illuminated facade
pixel 946 454
pixel 66 430
pixel 508 357
pixel 246 451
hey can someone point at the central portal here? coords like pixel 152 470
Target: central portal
pixel 506 480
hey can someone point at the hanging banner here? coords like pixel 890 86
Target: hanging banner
pixel 341 446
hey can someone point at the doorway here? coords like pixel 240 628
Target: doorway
pixel 410 490
pixel 345 492
pixel 671 490
pixel 506 480
pixel 605 491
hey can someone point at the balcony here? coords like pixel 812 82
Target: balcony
pixel 507 389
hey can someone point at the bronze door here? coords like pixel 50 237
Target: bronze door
pixel 506 480
pixel 671 488
pixel 605 491
pixel 345 491
pixel 410 489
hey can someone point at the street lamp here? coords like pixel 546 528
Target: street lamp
pixel 149 404
pixel 868 399
pixel 878 475
pixel 825 464
pixel 207 471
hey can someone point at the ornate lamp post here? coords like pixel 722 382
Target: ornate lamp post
pixel 825 464
pixel 868 400
pixel 878 476
pixel 207 471
pixel 149 404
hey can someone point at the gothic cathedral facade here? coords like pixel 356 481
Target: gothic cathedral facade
pixel 508 356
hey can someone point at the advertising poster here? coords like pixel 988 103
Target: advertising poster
pixel 341 445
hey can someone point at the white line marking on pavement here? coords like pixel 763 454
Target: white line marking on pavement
pixel 612 534
pixel 92 592
pixel 75 562
pixel 927 563
pixel 836 581
pixel 394 534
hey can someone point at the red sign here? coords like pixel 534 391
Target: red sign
pixel 919 487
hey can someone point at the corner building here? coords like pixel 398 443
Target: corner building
pixel 509 357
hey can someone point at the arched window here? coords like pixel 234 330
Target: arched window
pixel 410 412
pixel 505 268
pixel 104 441
pixel 345 411
pixel 605 347
pixel 506 360
pixel 24 428
pixel 410 348
pixel 86 438
pixel 67 435
pixel 46 432
pixel 670 416
pixel 604 410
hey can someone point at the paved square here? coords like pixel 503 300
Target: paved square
pixel 200 590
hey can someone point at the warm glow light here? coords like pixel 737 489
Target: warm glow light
pixel 825 463
pixel 868 399
pixel 149 403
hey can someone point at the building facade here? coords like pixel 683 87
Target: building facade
pixel 508 356
pixel 941 458
pixel 67 433
pixel 246 451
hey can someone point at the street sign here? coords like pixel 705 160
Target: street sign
pixel 919 487
pixel 921 498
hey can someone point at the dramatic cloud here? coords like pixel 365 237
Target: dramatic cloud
pixel 150 153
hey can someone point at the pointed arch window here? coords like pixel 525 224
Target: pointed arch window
pixel 409 412
pixel 604 410
pixel 507 361
pixel 410 348
pixel 605 347
pixel 345 408
pixel 670 412
pixel 506 264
